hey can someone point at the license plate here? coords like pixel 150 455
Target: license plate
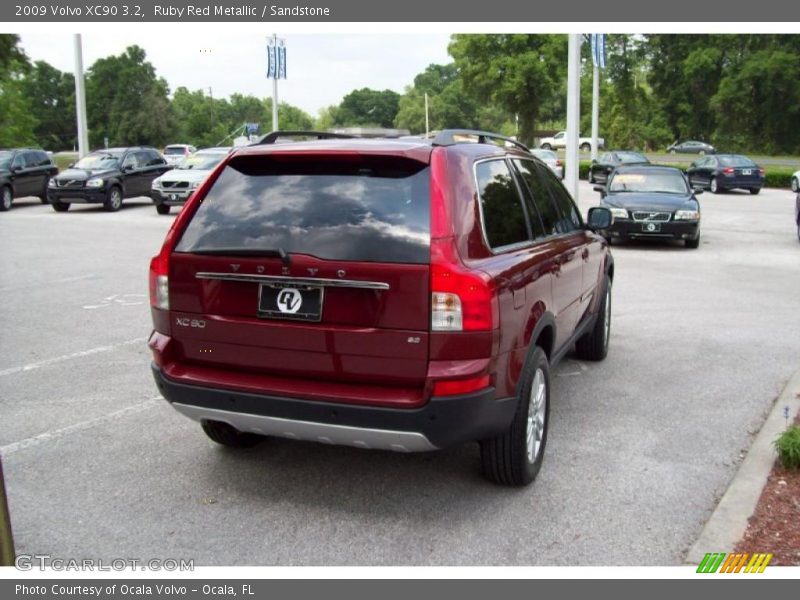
pixel 747 171
pixel 293 302
pixel 651 227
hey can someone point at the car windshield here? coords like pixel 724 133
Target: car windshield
pixel 174 150
pixel 631 157
pixel 736 160
pixel 201 161
pixel 5 159
pixel 94 162
pixel 651 183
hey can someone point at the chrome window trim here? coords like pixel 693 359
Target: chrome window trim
pixel 321 282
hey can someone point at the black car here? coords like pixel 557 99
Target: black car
pixel 651 202
pixel 24 172
pixel 725 172
pixel 691 147
pixel 107 177
pixel 600 169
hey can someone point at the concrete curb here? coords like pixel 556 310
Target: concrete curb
pixel 728 522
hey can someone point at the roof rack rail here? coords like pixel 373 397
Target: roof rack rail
pixel 448 137
pixel 274 136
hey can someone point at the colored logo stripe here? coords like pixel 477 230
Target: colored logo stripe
pixel 733 563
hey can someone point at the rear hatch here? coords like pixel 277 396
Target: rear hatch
pixel 313 267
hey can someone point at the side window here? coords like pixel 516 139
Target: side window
pixel 19 161
pixel 43 159
pixel 131 160
pixel 153 159
pixel 540 198
pixel 570 218
pixel 606 158
pixel 504 218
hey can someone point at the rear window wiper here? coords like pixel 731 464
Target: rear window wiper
pixel 278 252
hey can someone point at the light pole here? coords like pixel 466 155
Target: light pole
pixel 80 99
pixel 573 112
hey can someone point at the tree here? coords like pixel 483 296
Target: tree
pixel 127 102
pixel 515 72
pixel 17 122
pixel 366 107
pixel 50 96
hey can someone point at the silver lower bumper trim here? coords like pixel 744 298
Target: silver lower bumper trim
pixel 325 433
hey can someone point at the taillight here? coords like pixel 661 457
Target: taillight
pixel 159 281
pixel 761 172
pixel 461 300
pixel 460 386
pixel 729 171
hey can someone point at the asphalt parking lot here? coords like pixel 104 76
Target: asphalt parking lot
pixel 641 445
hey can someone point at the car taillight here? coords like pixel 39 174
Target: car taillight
pixel 461 300
pixel 159 281
pixel 761 172
pixel 729 171
pixel 460 386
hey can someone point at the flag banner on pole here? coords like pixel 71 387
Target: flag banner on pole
pixel 282 61
pixel 598 50
pixel 272 65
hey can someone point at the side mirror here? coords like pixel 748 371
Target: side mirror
pixel 599 218
pixel 127 168
pixel 16 169
pixel 601 189
pixel 697 191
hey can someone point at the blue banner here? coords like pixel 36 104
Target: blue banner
pixel 598 49
pixel 272 65
pixel 281 62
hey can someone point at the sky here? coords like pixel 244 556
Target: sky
pixel 321 68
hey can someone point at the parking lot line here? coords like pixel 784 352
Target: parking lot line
pixel 55 434
pixel 51 361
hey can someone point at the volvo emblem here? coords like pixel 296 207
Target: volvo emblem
pixel 312 272
pixel 260 268
pixel 341 273
pixel 235 267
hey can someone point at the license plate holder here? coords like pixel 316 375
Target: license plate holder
pixel 290 302
pixel 747 171
pixel 651 227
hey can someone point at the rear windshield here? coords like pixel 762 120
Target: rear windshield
pixel 174 150
pixel 349 207
pixel 736 160
pixel 650 182
pixel 631 157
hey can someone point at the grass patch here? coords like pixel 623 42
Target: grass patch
pixel 788 447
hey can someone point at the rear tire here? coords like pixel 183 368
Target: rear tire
pixel 162 209
pixel 6 198
pixel 60 206
pixel 590 177
pixel 515 457
pixel 795 185
pixel 229 436
pixel 586 147
pixel 594 345
pixel 113 201
pixel 546 147
pixel 713 186
pixel 693 244
pixel 755 191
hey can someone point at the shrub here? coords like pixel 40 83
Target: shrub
pixel 788 447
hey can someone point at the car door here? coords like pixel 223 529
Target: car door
pixel 133 174
pixel 588 247
pixel 154 166
pixel 562 249
pixel 19 176
pixel 40 171
pixel 700 174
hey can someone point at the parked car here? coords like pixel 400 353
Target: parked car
pixel 726 172
pixel 797 213
pixel 601 168
pixel 175 153
pixel 406 295
pixel 551 159
pixel 559 140
pixel 174 187
pixel 107 177
pixel 651 202
pixel 24 172
pixel 691 147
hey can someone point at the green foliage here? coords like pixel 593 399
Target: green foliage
pixel 127 102
pixel 788 447
pixel 17 121
pixel 519 73
pixel 50 95
pixel 368 108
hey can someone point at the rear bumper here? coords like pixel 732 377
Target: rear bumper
pixel 440 423
pixel 676 230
